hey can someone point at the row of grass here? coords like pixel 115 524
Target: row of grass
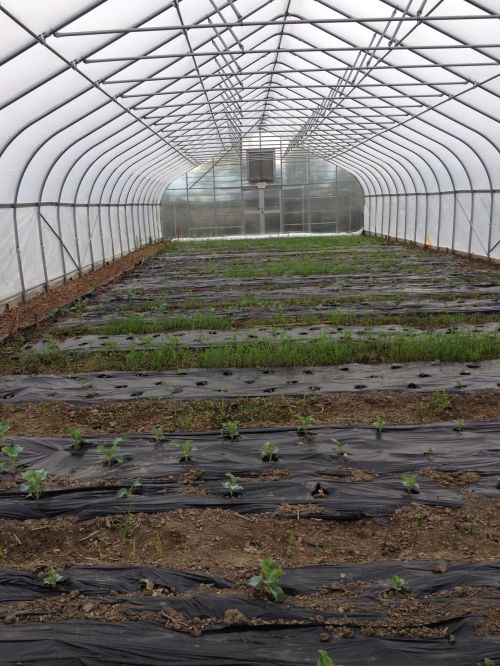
pixel 282 244
pixel 137 325
pixel 456 346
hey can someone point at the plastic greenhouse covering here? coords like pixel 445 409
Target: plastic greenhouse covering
pixel 105 103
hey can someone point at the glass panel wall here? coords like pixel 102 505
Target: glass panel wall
pixel 307 195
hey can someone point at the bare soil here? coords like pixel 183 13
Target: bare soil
pixel 56 418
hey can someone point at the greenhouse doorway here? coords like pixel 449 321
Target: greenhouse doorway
pixel 263 209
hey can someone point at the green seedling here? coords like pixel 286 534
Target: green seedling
pixel 232 486
pixel 398 584
pixel 441 400
pixel 52 578
pixel 270 452
pixel 304 423
pixel 159 434
pixel 488 662
pixel 186 448
pixel 78 438
pixel 109 453
pixel 4 429
pixel 33 482
pixel 379 425
pixel 459 425
pixel 268 579
pixel 430 452
pixel 12 452
pixel 324 659
pixel 230 430
pixel 410 483
pixel 339 447
pixel 126 492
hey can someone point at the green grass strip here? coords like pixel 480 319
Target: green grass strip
pixel 453 347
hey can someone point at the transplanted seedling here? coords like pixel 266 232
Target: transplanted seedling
pixel 233 486
pixel 78 438
pixel 304 423
pixel 126 492
pixel 268 579
pixel 324 659
pixel 33 482
pixel 52 578
pixel 186 448
pixel 340 448
pixel 430 452
pixel 459 425
pixel 110 453
pixel 379 425
pixel 488 662
pixel 398 584
pixel 230 430
pixel 270 452
pixel 4 429
pixel 12 452
pixel 159 434
pixel 410 483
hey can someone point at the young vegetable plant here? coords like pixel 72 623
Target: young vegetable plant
pixel 33 482
pixel 304 423
pixel 78 438
pixel 398 584
pixel 324 659
pixel 12 452
pixel 52 578
pixel 340 448
pixel 270 452
pixel 268 579
pixel 232 486
pixel 159 434
pixel 379 425
pixel 186 448
pixel 230 430
pixel 4 429
pixel 459 425
pixel 430 452
pixel 488 662
pixel 410 483
pixel 110 453
pixel 126 492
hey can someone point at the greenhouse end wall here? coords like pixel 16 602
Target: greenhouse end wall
pixel 306 195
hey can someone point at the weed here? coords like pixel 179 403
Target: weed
pixel 324 659
pixel 304 423
pixel 232 486
pixel 230 430
pixel 50 346
pixel 270 452
pixel 78 438
pixel 398 584
pixel 186 448
pixel 268 579
pixel 127 492
pixel 52 578
pixel 379 425
pixel 158 545
pixel 12 452
pixel 441 400
pixel 340 448
pixel 110 453
pixel 33 484
pixel 159 434
pixel 459 425
pixel 410 483
pixel 126 526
